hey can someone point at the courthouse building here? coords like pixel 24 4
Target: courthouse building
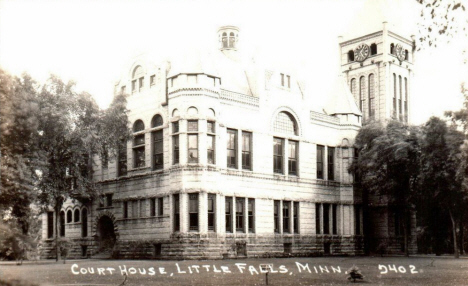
pixel 230 158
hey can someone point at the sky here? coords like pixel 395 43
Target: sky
pixel 92 42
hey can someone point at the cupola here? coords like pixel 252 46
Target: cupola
pixel 228 37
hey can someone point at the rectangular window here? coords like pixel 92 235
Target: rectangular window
pixel 193 148
pixel 125 209
pixel 292 158
pixel 160 206
pixel 153 207
pixel 317 219
pixel 176 213
pixel 331 163
pixel 400 98
pixel 109 200
pixel 142 208
pixel 192 125
pixel 251 214
pixel 320 154
pixel 278 155
pixel 210 127
pixel 122 163
pixel 193 212
pixel 246 150
pixel 276 215
pixel 141 82
pixel 335 219
pixel 50 224
pixel 134 83
pixel 134 209
pixel 228 214
pixel 139 151
pixel 289 81
pixel 240 214
pixel 326 218
pixel 158 152
pixel 175 127
pixel 210 149
pixel 394 96
pixel 232 148
pixel 152 80
pixel 105 158
pixel 175 149
pixel 282 79
pixel 211 212
pixel 296 217
pixel 286 216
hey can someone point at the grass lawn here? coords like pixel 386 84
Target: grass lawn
pixel 285 271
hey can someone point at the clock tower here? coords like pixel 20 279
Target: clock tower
pixel 378 69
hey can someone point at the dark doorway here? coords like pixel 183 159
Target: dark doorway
pixel 84 223
pixel 105 233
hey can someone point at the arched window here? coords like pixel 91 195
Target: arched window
pixel 69 216
pixel 406 55
pixel 84 223
pixel 225 40
pixel 353 88
pixel 351 56
pixel 62 223
pixel 138 145
pixel 371 96
pixel 76 216
pixel 373 49
pixel 232 40
pixel 157 142
pixel 362 96
pixel 394 96
pixel 285 123
pixel 137 79
pixel 392 48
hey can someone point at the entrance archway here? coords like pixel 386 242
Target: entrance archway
pixel 105 233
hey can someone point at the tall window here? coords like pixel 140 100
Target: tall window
pixel 158 149
pixel 176 213
pixel 351 56
pixel 326 218
pixel 371 96
pixel 153 207
pixel 246 150
pixel 138 144
pixel 251 214
pixel 135 204
pixel 122 158
pixel 137 78
pixel 76 215
pixel 225 40
pixel 211 212
pixel 296 217
pixel 286 216
pixel 317 219
pixel 292 157
pixel 210 142
pixel 240 208
pixel 400 98
pixel 394 96
pixel 193 212
pixel 141 82
pixel 282 79
pixel 406 100
pixel 62 223
pixel 373 49
pixel 228 214
pixel 392 49
pixel 152 80
pixel 278 155
pixel 289 81
pixel 125 209
pixel 232 148
pixel 320 155
pixel 160 206
pixel 361 93
pixel 335 219
pixel 175 142
pixel 50 224
pixel 232 40
pixel 142 208
pixel 331 163
pixel 192 130
pixel 353 89
pixel 69 216
pixel 84 222
pixel 276 215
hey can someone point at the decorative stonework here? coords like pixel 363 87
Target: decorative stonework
pixel 99 216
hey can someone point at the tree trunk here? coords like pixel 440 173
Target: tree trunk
pixel 454 228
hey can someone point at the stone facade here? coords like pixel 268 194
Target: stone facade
pixel 229 159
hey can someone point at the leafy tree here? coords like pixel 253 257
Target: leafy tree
pixel 387 165
pixel 440 160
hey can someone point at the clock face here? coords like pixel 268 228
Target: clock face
pixel 361 52
pixel 399 52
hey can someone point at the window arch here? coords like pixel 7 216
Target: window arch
pixel 373 49
pixel 76 216
pixel 175 112
pixel 157 143
pixel 211 112
pixel 371 96
pixel 285 123
pixel 192 110
pixel 156 121
pixel 62 223
pixel 392 48
pixel 138 145
pixel 69 216
pixel 138 76
pixel 351 56
pixel 84 222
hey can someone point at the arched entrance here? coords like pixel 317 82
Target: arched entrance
pixel 105 233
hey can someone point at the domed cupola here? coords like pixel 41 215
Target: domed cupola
pixel 228 37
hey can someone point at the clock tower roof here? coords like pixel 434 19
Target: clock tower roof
pixel 341 100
